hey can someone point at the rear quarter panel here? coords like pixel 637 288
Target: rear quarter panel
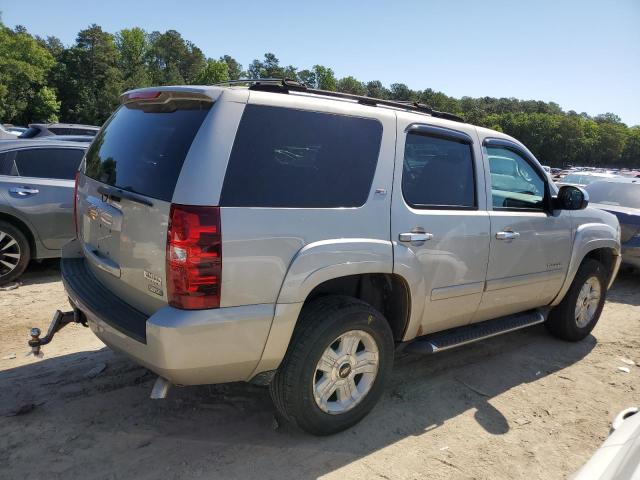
pixel 259 244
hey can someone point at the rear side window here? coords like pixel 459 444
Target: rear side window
pixel 438 173
pixel 58 163
pixel 142 148
pixel 293 158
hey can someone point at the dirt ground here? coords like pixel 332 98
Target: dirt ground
pixel 523 405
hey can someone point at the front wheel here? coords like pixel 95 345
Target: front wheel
pixel 336 367
pixel 577 314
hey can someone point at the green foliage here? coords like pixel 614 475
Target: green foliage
pixel 234 69
pixel 24 66
pixel 214 71
pixel 41 79
pixel 351 85
pixel 133 48
pixel 325 79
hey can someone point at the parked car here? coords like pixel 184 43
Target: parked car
pixel 619 456
pixel 6 134
pixel 36 201
pixel 621 197
pixel 582 179
pixel 13 129
pixel 37 130
pixel 295 237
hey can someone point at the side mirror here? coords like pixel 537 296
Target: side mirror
pixel 571 198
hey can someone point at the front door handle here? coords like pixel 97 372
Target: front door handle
pixel 507 235
pixel 415 237
pixel 24 191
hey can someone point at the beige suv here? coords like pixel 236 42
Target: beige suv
pixel 294 237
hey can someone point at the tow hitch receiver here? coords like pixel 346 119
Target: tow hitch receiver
pixel 59 321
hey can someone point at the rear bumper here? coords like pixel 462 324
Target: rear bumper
pixel 186 347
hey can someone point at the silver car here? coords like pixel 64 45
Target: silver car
pixel 295 237
pixel 37 130
pixel 36 201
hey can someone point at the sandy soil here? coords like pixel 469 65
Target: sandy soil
pixel 522 405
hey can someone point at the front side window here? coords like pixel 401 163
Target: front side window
pixel 57 163
pixel 301 159
pixel 515 184
pixel 438 173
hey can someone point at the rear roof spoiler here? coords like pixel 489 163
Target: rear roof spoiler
pixel 163 95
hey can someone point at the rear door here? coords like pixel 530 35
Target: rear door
pixel 125 194
pixel 39 185
pixel 439 222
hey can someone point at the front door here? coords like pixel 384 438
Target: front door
pixel 530 243
pixel 439 224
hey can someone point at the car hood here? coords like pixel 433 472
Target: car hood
pixel 629 219
pixel 619 456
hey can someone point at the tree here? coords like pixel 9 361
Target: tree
pixel 24 67
pixel 133 48
pixel 399 91
pixel 308 77
pixel 233 67
pixel 351 85
pixel 87 77
pixel 45 106
pixel 325 79
pixel 375 89
pixel 214 71
pixel 172 60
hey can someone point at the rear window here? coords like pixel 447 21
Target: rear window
pixel 72 131
pixel 293 158
pixel 58 163
pixel 142 148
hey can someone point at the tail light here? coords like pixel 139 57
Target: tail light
pixel 75 203
pixel 194 257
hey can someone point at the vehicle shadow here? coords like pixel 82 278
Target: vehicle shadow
pixel 229 431
pixel 44 271
pixel 625 288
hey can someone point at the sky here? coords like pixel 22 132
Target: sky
pixel 581 54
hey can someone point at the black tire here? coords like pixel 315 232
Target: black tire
pixel 22 249
pixel 322 322
pixel 562 321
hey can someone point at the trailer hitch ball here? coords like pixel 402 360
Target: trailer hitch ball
pixel 35 342
pixel 59 321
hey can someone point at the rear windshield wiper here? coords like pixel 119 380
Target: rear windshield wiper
pixel 117 194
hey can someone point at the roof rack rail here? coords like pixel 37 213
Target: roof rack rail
pixel 286 85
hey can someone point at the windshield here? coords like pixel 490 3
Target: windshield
pixel 142 148
pixel 615 193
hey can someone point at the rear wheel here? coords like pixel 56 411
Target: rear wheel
pixel 336 367
pixel 577 314
pixel 14 253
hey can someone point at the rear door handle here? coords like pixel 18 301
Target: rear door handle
pixel 507 235
pixel 24 191
pixel 415 237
